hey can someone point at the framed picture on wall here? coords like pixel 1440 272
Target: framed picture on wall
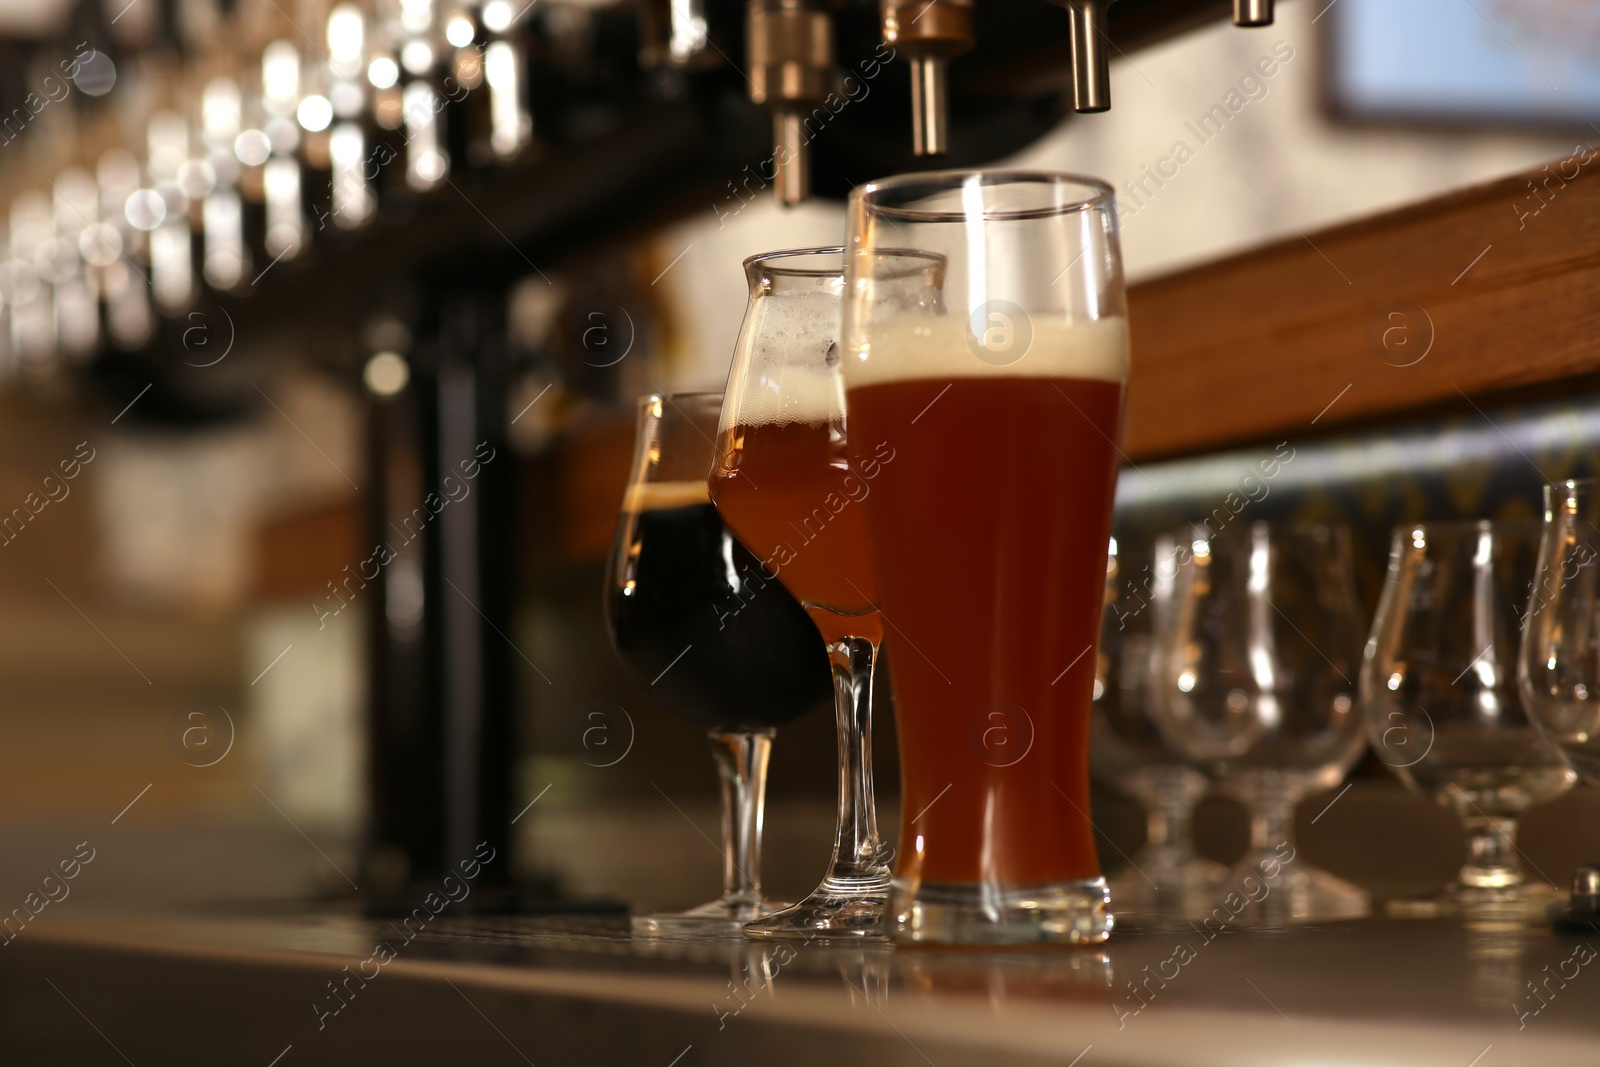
pixel 1464 62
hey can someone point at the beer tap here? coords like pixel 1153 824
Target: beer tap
pixel 1252 12
pixel 504 67
pixel 171 236
pixel 427 156
pixel 789 45
pixel 930 33
pixel 116 246
pixel 222 211
pixel 30 298
pixel 280 174
pixel 353 202
pixel 1091 64
pixel 675 34
pixel 77 211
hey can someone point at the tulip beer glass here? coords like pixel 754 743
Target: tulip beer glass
pixel 785 484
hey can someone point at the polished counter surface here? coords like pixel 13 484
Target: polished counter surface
pixel 281 990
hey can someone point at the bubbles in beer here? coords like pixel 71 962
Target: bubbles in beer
pixel 785 389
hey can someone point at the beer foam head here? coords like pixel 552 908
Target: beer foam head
pixel 999 340
pixel 791 369
pixel 785 395
pixel 653 496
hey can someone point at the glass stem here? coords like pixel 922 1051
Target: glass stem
pixel 1271 829
pixel 1168 795
pixel 1169 827
pixel 1492 859
pixel 858 854
pixel 742 769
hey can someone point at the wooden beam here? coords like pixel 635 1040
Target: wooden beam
pixel 1487 289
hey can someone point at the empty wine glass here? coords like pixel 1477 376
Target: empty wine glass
pixel 1261 646
pixel 1127 752
pixel 1558 673
pixel 1438 687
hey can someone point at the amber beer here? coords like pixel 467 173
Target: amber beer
pixel 990 531
pixel 787 487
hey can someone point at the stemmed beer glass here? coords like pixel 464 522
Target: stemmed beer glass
pixel 785 484
pixel 1438 685
pixel 1558 673
pixel 1001 403
pixel 1261 649
pixel 708 638
pixel 1128 753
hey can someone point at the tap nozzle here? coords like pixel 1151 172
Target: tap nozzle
pixel 1252 12
pixel 675 34
pixel 1091 62
pixel 791 158
pixel 930 33
pixel 789 45
pixel 930 107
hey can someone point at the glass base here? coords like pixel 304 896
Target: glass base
pixel 1183 892
pixel 1299 893
pixel 719 918
pixel 964 913
pixel 1529 900
pixel 846 911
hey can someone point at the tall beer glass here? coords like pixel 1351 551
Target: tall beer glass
pixel 1003 405
pixel 785 484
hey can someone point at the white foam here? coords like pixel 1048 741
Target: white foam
pixel 651 496
pixel 787 377
pixel 784 395
pixel 919 346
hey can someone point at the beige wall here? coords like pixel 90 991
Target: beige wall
pixel 1278 166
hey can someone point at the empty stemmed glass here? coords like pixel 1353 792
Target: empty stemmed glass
pixel 708 638
pixel 1558 673
pixel 785 483
pixel 1261 646
pixel 1438 687
pixel 1127 752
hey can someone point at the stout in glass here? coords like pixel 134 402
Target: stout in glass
pixel 708 637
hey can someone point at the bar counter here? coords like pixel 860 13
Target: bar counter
pixel 288 989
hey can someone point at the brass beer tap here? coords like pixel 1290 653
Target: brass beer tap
pixel 789 45
pixel 929 33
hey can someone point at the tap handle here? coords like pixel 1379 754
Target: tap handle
pixel 929 33
pixel 789 49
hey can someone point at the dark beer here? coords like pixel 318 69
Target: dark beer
pixel 709 634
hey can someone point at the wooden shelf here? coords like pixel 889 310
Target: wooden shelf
pixel 1469 294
